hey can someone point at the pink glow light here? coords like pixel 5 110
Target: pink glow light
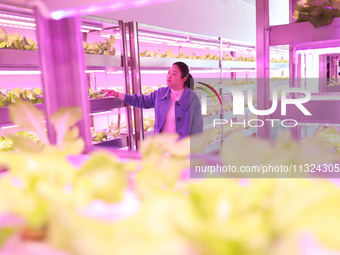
pixel 19 72
pixel 8 127
pixel 98 113
pixel 17 17
pixel 21 27
pixel 59 11
pixel 37 72
pixel 166 71
pixel 32 26
pixel 141 2
pixel 321 51
pixel 91 28
pixel 14 22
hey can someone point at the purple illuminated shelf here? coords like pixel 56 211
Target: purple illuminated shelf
pixel 239 64
pixel 305 35
pixel 159 62
pixel 105 104
pixel 118 142
pixel 97 105
pixel 10 58
pixel 333 89
pixel 103 60
pixel 4 114
pixel 19 58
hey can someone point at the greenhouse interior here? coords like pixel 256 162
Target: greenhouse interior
pixel 186 127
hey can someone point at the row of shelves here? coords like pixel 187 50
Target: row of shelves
pixel 96 105
pixel 215 146
pixel 304 40
pixel 305 36
pixel 11 58
pixel 29 60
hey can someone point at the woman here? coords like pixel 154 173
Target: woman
pixel 177 107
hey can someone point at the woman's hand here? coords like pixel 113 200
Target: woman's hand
pixel 109 92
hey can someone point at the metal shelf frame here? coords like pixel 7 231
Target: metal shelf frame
pixel 158 63
pixel 96 106
pixel 131 63
pixel 299 36
pixel 29 59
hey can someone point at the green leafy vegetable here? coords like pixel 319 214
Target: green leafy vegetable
pixel 317 12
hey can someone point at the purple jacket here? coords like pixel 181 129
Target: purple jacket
pixel 188 113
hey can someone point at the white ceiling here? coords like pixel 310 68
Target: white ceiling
pixel 232 19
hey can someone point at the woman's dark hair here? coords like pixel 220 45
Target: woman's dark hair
pixel 189 82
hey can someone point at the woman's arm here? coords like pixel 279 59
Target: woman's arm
pixel 140 101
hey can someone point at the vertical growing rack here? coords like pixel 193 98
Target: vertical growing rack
pixel 172 45
pixel 300 37
pixel 132 70
pixel 19 61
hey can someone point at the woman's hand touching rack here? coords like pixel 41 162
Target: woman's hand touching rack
pixel 110 92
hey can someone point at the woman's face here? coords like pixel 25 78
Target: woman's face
pixel 174 79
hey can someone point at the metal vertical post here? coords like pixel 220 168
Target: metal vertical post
pixel 294 70
pixel 333 67
pixel 262 63
pixel 136 81
pixel 322 73
pixel 305 70
pixel 292 66
pixel 292 48
pixel 295 132
pixel 336 70
pixel 298 71
pixel 221 89
pixel 233 74
pixel 62 63
pixel 221 59
pixel 125 62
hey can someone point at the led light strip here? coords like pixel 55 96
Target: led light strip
pixel 166 71
pixel 36 72
pixel 33 72
pixel 94 71
pixel 91 28
pixel 16 17
pixel 18 72
pixel 8 127
pixel 321 51
pixel 15 26
pixel 14 22
pixel 31 25
pixel 98 113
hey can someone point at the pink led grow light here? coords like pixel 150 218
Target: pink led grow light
pixel 14 22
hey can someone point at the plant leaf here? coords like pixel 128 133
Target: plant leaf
pixel 72 143
pixel 30 118
pixel 24 145
pixel 63 120
pixel 103 177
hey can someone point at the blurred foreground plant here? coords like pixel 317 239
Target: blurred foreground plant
pixel 192 217
pixel 41 180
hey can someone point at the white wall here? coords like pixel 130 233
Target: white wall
pixel 208 17
pixel 232 19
